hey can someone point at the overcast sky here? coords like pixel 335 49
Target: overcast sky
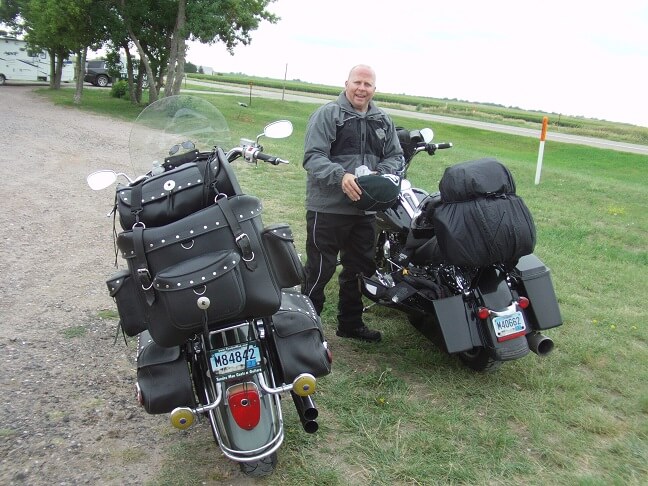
pixel 562 56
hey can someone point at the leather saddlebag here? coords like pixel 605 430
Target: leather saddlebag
pixel 229 224
pixel 190 183
pixel 166 197
pixel 205 289
pixel 163 377
pixel 280 244
pixel 130 302
pixel 299 338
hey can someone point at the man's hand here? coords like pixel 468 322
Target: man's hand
pixel 350 188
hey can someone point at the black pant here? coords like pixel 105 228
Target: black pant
pixel 353 237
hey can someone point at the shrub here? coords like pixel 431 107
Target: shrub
pixel 119 89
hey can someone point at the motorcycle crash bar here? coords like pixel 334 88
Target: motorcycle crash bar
pixel 303 385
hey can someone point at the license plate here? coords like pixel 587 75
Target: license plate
pixel 235 361
pixel 509 326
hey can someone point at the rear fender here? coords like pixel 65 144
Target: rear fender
pixel 495 293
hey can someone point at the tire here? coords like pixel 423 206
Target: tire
pixel 102 81
pixel 479 359
pixel 2 79
pixel 261 468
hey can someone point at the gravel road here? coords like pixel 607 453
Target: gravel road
pixel 68 413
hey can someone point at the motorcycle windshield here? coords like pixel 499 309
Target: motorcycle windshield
pixel 172 126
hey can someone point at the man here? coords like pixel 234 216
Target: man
pixel 344 139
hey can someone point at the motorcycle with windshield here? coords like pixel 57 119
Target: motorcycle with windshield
pixel 459 262
pixel 208 290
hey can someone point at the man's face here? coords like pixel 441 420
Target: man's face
pixel 360 88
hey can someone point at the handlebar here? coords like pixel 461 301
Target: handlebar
pixel 431 148
pixel 251 154
pixel 269 158
pixel 443 145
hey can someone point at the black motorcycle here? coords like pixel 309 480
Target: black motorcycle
pixel 459 262
pixel 208 289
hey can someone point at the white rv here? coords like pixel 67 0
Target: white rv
pixel 17 63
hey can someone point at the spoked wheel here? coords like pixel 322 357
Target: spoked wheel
pixel 260 468
pixel 479 359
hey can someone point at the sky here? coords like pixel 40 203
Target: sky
pixel 557 56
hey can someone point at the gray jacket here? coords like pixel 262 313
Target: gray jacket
pixel 339 140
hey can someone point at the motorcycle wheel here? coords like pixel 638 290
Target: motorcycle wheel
pixel 478 359
pixel 260 468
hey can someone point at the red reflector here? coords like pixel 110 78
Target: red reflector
pixel 329 355
pixel 483 313
pixel 511 336
pixel 245 405
pixel 523 302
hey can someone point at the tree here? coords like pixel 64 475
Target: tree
pixel 59 27
pixel 210 21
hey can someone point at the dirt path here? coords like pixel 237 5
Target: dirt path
pixel 67 413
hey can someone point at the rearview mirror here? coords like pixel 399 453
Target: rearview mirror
pixel 101 179
pixel 427 134
pixel 278 129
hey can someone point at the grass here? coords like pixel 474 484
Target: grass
pixel 74 332
pixel 401 412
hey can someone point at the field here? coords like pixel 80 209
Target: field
pixel 462 109
pixel 401 412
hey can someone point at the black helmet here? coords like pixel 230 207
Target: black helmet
pixel 379 192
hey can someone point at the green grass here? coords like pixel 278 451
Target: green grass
pixel 74 332
pixel 401 412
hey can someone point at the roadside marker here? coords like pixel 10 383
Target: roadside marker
pixel 543 136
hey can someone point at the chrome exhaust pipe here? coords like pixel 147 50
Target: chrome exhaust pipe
pixel 540 344
pixel 307 412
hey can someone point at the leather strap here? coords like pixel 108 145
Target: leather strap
pixel 136 200
pixel 240 237
pixel 142 274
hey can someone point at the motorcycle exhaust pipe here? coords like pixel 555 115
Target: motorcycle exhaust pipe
pixel 307 412
pixel 540 344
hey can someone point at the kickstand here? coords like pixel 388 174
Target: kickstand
pixel 367 307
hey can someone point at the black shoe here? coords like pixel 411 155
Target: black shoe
pixel 362 333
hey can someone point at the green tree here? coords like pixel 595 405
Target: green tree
pixel 60 27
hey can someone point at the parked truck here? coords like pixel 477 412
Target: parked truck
pixel 19 63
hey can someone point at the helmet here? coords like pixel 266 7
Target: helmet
pixel 379 192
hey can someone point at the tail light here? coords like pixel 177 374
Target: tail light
pixel 483 312
pixel 523 302
pixel 245 405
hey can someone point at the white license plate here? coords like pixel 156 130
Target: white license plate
pixel 509 326
pixel 234 361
